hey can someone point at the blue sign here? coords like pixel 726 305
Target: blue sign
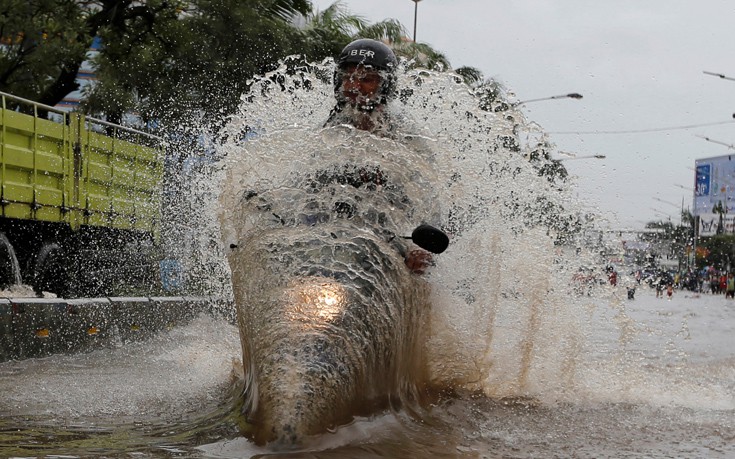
pixel 172 275
pixel 702 185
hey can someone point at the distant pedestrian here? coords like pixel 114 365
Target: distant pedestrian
pixel 670 291
pixel 714 284
pixel 730 292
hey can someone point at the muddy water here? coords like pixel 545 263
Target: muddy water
pixel 664 389
pixel 531 368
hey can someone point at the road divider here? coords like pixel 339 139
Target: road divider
pixel 38 327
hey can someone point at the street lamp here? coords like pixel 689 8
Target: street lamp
pixel 719 75
pixel 728 145
pixel 666 202
pixel 573 95
pixel 415 15
pixel 661 214
pixel 583 157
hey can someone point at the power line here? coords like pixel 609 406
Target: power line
pixel 643 131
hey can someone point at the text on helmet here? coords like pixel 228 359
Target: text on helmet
pixel 362 52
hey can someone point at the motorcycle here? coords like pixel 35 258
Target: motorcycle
pixel 332 322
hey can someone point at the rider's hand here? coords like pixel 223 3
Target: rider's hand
pixel 418 260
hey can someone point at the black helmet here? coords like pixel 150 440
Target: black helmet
pixel 369 53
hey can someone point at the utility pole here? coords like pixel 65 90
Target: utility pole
pixel 415 15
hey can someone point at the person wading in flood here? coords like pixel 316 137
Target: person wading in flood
pixel 364 84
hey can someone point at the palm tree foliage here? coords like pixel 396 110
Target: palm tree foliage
pixel 285 9
pixel 331 29
pixel 174 62
pixel 169 60
pixel 470 75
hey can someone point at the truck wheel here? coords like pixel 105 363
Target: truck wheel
pixel 9 268
pixel 49 271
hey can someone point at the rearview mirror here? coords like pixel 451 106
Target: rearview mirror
pixel 429 238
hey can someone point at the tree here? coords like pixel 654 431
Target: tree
pixel 329 30
pixel 719 251
pixel 41 42
pixel 471 76
pixel 721 210
pixel 195 62
pixel 671 240
pixel 44 43
pixel 171 60
pixel 491 94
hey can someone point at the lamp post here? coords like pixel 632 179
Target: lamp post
pixel 719 75
pixel 728 145
pixel 681 209
pixel 583 157
pixel 666 202
pixel 572 95
pixel 415 15
pixel 661 214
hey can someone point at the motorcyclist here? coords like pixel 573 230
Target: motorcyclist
pixel 364 84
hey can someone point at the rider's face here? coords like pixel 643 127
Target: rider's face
pixel 360 84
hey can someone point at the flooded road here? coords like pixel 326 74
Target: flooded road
pixel 659 386
pixel 530 367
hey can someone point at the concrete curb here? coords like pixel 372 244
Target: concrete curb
pixel 37 327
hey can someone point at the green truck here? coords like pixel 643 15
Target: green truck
pixel 80 202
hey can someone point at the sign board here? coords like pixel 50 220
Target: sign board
pixel 172 275
pixel 711 224
pixel 714 184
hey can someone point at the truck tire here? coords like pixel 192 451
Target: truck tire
pixel 9 268
pixel 50 273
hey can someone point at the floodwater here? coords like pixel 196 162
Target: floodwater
pixel 661 388
pixel 531 367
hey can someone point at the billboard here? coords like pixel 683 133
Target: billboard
pixel 711 224
pixel 714 185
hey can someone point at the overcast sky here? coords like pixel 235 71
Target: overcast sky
pixel 639 65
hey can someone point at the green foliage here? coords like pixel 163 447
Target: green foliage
pixel 470 75
pixel 492 97
pixel 285 9
pixel 553 170
pixel 173 61
pixel 672 240
pixel 720 251
pixel 190 63
pixel 330 30
pixel 39 40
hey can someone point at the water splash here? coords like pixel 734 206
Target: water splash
pixel 571 374
pixel 501 318
pixel 11 272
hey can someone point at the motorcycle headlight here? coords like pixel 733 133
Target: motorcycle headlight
pixel 315 298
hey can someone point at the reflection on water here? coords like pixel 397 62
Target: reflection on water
pixel 175 389
pixel 175 396
pixel 531 369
